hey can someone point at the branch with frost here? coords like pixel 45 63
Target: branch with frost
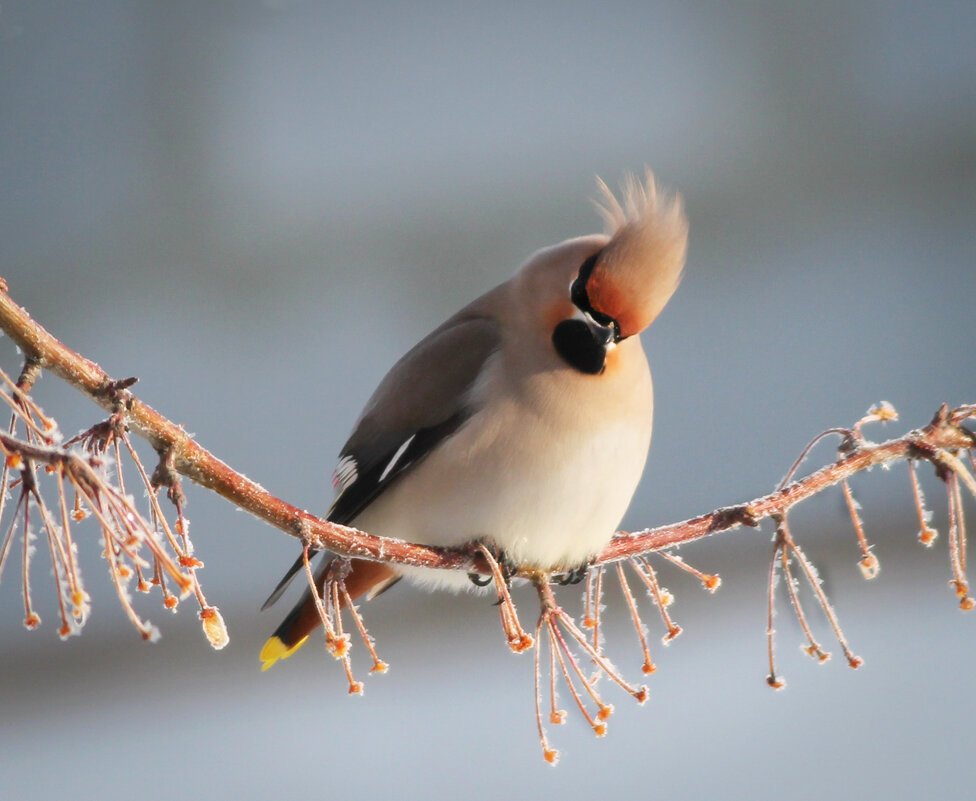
pixel 155 553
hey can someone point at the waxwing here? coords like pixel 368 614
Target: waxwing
pixel 523 421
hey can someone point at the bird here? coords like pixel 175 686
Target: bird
pixel 522 422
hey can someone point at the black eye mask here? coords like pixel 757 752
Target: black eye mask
pixel 582 343
pixel 581 299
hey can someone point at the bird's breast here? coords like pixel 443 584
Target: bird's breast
pixel 545 470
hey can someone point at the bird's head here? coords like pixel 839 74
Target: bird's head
pixel 620 282
pixel 627 283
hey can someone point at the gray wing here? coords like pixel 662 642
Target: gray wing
pixel 424 398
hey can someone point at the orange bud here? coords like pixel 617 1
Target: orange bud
pixel 927 536
pixel 338 646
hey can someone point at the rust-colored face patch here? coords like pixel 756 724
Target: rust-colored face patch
pixel 609 298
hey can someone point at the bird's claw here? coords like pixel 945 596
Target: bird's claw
pixel 507 567
pixel 574 576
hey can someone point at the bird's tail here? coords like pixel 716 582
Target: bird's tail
pixel 365 578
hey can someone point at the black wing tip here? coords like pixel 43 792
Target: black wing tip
pixel 278 591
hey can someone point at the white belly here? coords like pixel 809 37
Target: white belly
pixel 542 484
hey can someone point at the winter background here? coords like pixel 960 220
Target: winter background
pixel 256 207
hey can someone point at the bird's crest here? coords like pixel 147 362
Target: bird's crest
pixel 640 267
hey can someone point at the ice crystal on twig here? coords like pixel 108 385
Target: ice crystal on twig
pixel 131 543
pixel 785 550
pixel 331 598
pixel 567 644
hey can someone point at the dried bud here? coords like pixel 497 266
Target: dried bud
pixel 337 646
pixel 869 565
pixel 213 627
pixel 884 412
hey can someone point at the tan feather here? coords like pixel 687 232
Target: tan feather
pixel 640 268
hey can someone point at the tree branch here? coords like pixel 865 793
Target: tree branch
pixel 944 435
pixel 195 462
pixel 151 552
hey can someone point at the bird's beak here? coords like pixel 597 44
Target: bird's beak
pixel 604 335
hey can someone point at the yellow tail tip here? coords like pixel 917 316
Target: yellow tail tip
pixel 274 649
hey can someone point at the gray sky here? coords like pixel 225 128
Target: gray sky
pixel 257 207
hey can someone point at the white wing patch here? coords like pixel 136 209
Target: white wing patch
pixel 396 458
pixel 345 474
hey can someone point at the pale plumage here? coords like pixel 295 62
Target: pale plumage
pixel 525 419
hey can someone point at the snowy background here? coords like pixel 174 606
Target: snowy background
pixel 256 207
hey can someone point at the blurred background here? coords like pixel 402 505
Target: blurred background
pixel 256 207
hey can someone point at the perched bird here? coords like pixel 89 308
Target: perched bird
pixel 523 421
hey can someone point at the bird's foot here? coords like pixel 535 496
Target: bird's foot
pixel 574 576
pixel 507 569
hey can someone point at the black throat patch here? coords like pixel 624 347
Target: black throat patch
pixel 582 346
